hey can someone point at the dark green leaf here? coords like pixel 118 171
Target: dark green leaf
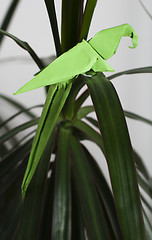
pixel 11 218
pixel 84 111
pixel 141 166
pixel 46 219
pixel 89 132
pixel 105 194
pixel 78 230
pixel 54 25
pixel 93 121
pixel 137 117
pixel 119 154
pixel 88 13
pixel 14 157
pixel 17 105
pixel 91 208
pixel 33 202
pixel 26 47
pixel 3 150
pixel 61 223
pixel 146 186
pixel 18 129
pixel 148 227
pixel 14 176
pixel 18 113
pixel 72 12
pixel 145 201
pixel 69 108
pixel 81 100
pixel 132 71
pixel 9 14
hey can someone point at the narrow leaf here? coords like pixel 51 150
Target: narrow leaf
pixel 105 194
pixel 14 157
pixel 145 201
pixel 89 132
pixel 146 186
pixel 18 113
pixel 54 103
pixel 88 13
pixel 141 166
pixel 33 202
pixel 11 217
pixel 81 100
pixel 119 154
pixel 148 227
pixel 18 129
pixel 71 20
pixel 132 71
pixel 137 117
pixel 26 47
pixel 54 25
pixel 8 17
pixel 69 108
pixel 17 105
pixel 91 208
pixel 83 112
pixel 78 229
pixel 47 213
pixel 61 223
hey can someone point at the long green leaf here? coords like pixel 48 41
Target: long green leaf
pixel 89 133
pixel 145 201
pixel 105 194
pixel 33 202
pixel 81 100
pixel 26 47
pixel 18 113
pixel 14 157
pixel 11 217
pixel 17 105
pixel 88 13
pixel 78 230
pixel 132 71
pixel 83 112
pixel 146 186
pixel 137 117
pixel 69 108
pixel 119 154
pixel 148 227
pixel 18 129
pixel 71 23
pixel 54 103
pixel 54 25
pixel 61 222
pixel 47 213
pixel 91 208
pixel 13 177
pixel 8 17
pixel 141 166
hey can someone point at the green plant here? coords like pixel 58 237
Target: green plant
pixel 68 197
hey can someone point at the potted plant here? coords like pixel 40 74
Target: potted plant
pixel 64 192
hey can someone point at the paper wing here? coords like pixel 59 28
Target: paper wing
pixel 106 41
pixel 78 60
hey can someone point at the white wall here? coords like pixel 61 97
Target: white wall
pixel 31 24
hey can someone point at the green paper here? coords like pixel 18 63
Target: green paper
pixel 106 41
pixel 82 58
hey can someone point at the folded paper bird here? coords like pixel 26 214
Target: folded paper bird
pixel 87 57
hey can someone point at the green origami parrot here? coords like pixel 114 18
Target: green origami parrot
pixel 86 56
